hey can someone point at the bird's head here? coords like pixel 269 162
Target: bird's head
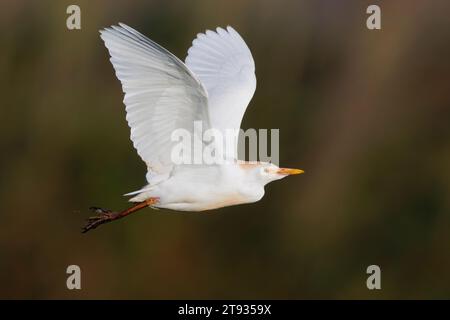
pixel 268 172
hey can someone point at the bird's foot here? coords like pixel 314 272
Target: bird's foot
pixel 103 216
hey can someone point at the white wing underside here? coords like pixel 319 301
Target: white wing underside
pixel 163 94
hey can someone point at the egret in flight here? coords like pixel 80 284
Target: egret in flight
pixel 162 94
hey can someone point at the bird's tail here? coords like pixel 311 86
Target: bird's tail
pixel 135 192
pixel 138 194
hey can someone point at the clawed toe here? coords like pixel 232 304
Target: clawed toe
pixel 102 217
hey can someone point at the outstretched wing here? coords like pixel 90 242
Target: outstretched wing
pixel 161 94
pixel 224 64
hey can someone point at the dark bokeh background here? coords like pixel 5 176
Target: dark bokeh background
pixel 365 113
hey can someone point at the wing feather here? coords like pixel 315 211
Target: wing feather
pixel 161 94
pixel 224 64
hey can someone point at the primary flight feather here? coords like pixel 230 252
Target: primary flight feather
pixel 162 94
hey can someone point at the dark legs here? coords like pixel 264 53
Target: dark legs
pixel 104 215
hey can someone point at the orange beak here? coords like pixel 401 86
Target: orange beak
pixel 287 171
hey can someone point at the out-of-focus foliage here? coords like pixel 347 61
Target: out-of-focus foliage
pixel 365 113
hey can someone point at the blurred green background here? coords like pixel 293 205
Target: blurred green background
pixel 365 113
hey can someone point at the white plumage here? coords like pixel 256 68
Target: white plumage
pixel 163 94
pixel 224 65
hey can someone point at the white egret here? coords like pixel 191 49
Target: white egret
pixel 162 94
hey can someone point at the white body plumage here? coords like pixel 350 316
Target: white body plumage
pixel 199 188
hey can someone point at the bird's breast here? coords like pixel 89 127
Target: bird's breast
pixel 201 197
